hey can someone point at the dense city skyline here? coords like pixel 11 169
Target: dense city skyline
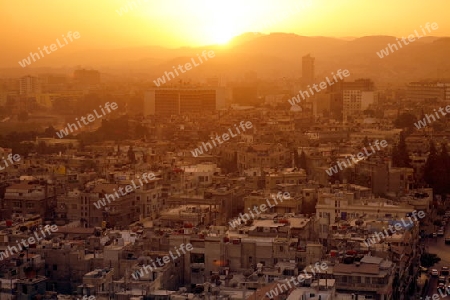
pixel 227 150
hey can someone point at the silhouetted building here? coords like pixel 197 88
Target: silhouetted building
pixel 308 69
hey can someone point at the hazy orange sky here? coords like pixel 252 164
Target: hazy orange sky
pixel 27 24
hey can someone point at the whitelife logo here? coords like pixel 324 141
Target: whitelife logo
pixel 27 61
pixel 199 151
pixel 11 158
pixel 411 38
pixel 280 288
pixel 31 240
pixel 128 189
pixel 91 297
pixel 443 294
pixel 360 156
pixel 376 237
pixel 322 85
pixel 239 220
pixel 423 123
pixel 165 260
pixel 188 66
pixel 90 117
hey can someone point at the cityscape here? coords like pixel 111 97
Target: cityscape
pixel 224 150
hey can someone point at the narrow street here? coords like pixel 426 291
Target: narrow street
pixel 437 246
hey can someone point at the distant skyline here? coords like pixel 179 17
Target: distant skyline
pixel 28 24
pixel 114 32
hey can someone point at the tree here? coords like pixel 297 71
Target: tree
pixel 303 163
pixel 140 131
pixel 405 120
pixel 431 167
pixel 443 172
pixel 81 145
pixel 400 156
pixel 131 155
pixel 49 131
pixel 365 141
pixel 437 223
pixel 429 259
pixel 444 157
pixel 296 158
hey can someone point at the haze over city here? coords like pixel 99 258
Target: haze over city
pixel 241 150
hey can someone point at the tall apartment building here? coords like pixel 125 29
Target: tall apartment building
pixel 351 103
pixel 29 199
pixel 308 69
pixel 175 101
pixel 29 85
pixel 348 97
pixel 419 91
pixel 149 196
pixel 120 211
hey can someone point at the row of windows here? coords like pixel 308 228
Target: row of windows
pixel 18 204
pixel 324 215
pixel 359 279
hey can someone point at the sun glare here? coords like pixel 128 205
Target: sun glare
pixel 222 34
pixel 224 20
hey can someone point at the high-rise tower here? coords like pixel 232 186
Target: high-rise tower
pixel 307 69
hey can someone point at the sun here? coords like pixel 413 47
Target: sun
pixel 206 22
pixel 222 35
pixel 224 20
pixel 224 27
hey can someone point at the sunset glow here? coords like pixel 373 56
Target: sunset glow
pixel 176 23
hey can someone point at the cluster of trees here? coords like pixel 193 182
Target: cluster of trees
pixel 300 161
pixel 436 172
pixel 407 120
pixel 23 143
pixel 400 156
pixel 116 130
